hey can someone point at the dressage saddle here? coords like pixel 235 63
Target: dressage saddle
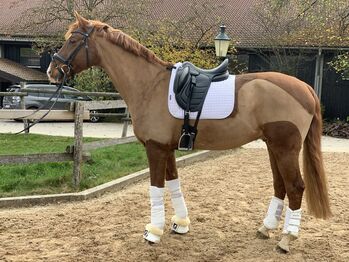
pixel 191 85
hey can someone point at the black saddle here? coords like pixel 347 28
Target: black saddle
pixel 191 85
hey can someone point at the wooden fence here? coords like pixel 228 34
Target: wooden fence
pixel 77 111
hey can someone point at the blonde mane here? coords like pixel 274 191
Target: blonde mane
pixel 121 39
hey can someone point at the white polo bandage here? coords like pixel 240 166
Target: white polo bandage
pixel 177 198
pixel 272 219
pixel 292 221
pixel 157 207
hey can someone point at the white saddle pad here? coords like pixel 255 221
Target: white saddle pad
pixel 219 102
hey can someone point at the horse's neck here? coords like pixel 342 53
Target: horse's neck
pixel 133 76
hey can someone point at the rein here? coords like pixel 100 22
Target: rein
pixel 66 63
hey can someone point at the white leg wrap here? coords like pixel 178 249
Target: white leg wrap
pixel 177 198
pixel 180 222
pixel 272 219
pixel 292 222
pixel 157 207
pixel 154 230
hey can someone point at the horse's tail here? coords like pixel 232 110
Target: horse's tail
pixel 314 173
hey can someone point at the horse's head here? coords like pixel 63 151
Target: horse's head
pixel 78 52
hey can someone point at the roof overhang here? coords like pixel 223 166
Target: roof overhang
pixel 15 72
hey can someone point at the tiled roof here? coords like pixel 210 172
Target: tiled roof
pixel 237 15
pixel 15 72
pixel 234 14
pixel 10 12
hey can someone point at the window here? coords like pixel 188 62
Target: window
pixel 29 58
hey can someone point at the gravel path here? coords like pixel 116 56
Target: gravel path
pixel 227 198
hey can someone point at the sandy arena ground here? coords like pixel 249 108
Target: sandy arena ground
pixel 227 198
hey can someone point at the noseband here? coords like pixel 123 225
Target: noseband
pixel 67 61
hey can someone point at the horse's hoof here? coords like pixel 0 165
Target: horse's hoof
pixel 151 238
pixel 180 225
pixel 149 242
pixel 263 233
pixel 282 250
pixel 179 229
pixel 284 245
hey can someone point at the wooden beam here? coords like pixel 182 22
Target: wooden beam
pixel 78 143
pixel 125 126
pixel 32 114
pixel 108 142
pixel 75 93
pixel 35 158
pixel 22 104
pixel 106 104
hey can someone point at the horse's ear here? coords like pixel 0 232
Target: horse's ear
pixel 82 21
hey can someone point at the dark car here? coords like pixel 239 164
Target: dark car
pixel 36 100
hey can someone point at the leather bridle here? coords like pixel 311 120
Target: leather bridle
pixel 66 66
pixel 66 63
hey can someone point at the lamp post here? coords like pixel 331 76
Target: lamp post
pixel 222 42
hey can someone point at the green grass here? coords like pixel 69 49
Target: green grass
pixel 49 178
pixel 11 144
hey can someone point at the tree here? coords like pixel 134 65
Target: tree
pixel 49 22
pixel 93 80
pixel 304 23
pixel 168 38
pixel 190 38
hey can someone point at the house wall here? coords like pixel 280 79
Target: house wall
pixel 335 90
pixel 302 67
pixel 45 60
pixel 12 51
pixel 335 93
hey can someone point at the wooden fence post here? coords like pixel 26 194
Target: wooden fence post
pixel 126 122
pixel 78 144
pixel 22 104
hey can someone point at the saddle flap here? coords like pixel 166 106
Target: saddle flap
pixel 193 93
pixel 182 79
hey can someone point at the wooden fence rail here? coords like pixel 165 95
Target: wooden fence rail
pixel 77 111
pixel 33 114
pixel 35 158
pixel 25 91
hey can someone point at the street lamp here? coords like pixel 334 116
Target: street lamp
pixel 222 42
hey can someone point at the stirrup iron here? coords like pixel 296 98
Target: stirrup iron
pixel 186 141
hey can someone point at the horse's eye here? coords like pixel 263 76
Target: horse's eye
pixel 72 41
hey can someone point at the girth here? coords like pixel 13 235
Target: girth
pixel 191 85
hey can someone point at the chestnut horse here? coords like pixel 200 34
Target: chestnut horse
pixel 280 109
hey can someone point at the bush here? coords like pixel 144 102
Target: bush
pixel 93 80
